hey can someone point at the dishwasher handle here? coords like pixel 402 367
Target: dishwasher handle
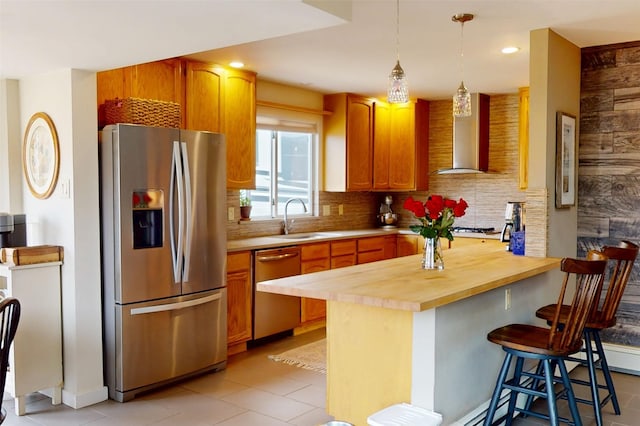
pixel 273 258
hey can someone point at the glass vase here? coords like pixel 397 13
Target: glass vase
pixel 432 255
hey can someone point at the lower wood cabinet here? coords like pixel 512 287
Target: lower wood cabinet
pixel 343 253
pixel 406 245
pixel 370 249
pixel 238 297
pixel 314 258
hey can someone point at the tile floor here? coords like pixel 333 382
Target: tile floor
pixel 252 390
pixel 255 391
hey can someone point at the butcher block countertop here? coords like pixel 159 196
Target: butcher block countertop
pixel 401 284
pixel 275 241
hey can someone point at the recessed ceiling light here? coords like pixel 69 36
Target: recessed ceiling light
pixel 510 49
pixel 236 64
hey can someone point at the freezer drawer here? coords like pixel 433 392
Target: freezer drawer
pixel 161 341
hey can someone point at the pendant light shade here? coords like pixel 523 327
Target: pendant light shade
pixel 462 97
pixel 398 88
pixel 462 102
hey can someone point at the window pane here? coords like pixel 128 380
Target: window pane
pixel 294 171
pixel 261 196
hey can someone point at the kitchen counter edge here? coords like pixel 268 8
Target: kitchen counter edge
pixel 274 241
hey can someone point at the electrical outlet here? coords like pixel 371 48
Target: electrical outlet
pixel 507 299
pixel 326 210
pixel 340 209
pixel 230 214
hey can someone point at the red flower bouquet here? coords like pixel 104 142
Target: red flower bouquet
pixel 436 215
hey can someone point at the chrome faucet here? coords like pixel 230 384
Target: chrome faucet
pixel 286 206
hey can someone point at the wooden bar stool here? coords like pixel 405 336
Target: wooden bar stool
pixel 548 346
pixel 602 316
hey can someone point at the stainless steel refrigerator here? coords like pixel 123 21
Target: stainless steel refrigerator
pixel 163 204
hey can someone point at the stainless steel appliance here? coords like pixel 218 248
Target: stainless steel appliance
pixel 13 230
pixel 514 221
pixel 275 313
pixel 163 262
pixel 387 218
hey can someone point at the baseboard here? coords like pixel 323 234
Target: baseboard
pixel 84 400
pixel 625 359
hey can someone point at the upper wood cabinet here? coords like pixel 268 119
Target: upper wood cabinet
pixel 160 80
pixel 523 139
pixel 212 98
pixel 394 146
pixel 240 128
pixel 204 96
pixel 384 150
pixel 348 142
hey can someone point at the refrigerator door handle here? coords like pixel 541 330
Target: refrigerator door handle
pixel 188 218
pixel 175 306
pixel 176 183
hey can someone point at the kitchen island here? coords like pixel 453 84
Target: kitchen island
pixel 397 333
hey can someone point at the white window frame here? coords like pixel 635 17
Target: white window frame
pixel 277 119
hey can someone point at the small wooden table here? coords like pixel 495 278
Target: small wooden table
pixel 397 333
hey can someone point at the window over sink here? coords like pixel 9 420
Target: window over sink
pixel 286 164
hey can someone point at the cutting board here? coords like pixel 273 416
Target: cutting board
pixel 15 256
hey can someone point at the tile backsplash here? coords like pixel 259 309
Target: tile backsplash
pixel 487 194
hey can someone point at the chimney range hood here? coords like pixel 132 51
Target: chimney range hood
pixel 471 139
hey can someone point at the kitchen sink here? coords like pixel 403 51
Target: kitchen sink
pixel 308 235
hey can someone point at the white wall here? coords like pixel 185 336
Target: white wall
pixel 72 221
pixel 10 148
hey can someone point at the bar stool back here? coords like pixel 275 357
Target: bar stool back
pixel 603 316
pixel 549 346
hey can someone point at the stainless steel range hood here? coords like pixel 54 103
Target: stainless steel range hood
pixel 471 139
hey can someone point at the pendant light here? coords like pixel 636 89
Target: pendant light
pixel 462 97
pixel 398 90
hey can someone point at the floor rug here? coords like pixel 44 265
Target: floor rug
pixel 312 356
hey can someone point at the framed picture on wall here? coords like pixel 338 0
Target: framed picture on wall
pixel 566 161
pixel 41 155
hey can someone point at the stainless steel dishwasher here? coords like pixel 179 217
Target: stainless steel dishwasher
pixel 274 313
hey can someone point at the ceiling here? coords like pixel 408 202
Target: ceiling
pixel 299 42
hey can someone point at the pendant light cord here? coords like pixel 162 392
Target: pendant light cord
pixel 462 50
pixel 398 29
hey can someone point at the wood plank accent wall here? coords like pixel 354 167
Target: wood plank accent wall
pixel 609 166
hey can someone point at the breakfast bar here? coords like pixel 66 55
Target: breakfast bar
pixel 398 333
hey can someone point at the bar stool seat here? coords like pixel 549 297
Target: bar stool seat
pixel 601 317
pixel 549 346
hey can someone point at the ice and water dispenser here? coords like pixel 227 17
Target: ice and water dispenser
pixel 147 218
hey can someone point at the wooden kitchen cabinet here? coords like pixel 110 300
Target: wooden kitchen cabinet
pixel 408 244
pixel 396 160
pixel 343 253
pixel 348 142
pixel 239 298
pixel 211 97
pixel 160 80
pixel 314 258
pixel 375 145
pixel 204 96
pixel 371 249
pixel 390 246
pixel 240 128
